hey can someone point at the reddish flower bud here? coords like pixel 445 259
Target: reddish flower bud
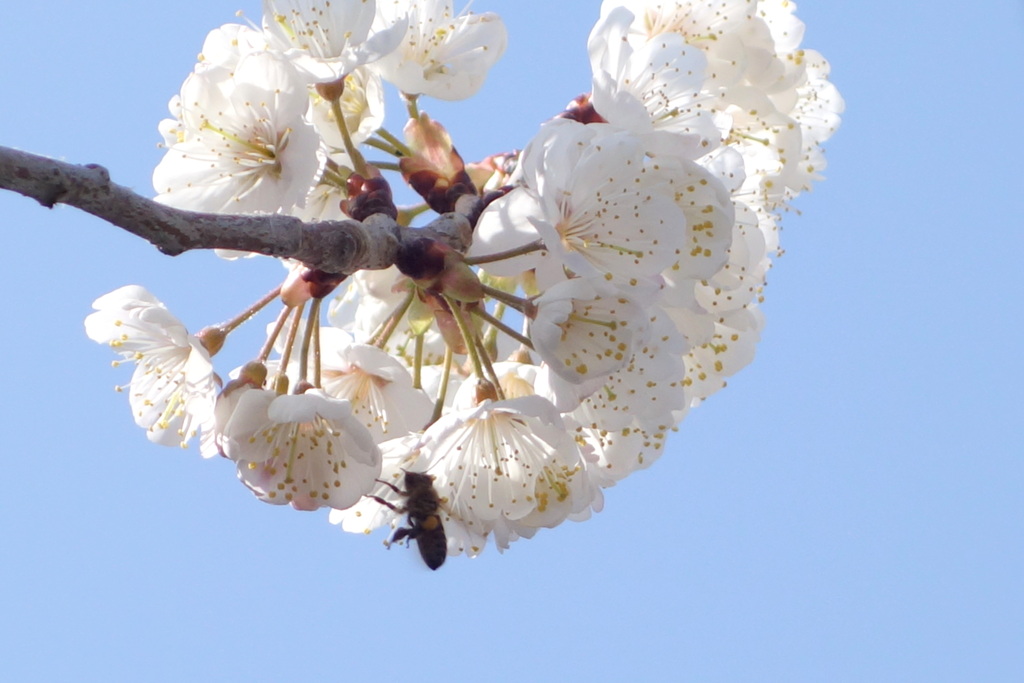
pixel 582 110
pixel 320 283
pixel 494 171
pixel 438 268
pixel 303 284
pixel 421 259
pixel 435 170
pixel 368 196
pixel 302 387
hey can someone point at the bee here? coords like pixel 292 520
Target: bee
pixel 422 508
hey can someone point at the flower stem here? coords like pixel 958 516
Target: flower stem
pixel 289 344
pixel 358 162
pixel 417 368
pixel 408 213
pixel 251 311
pixel 399 145
pixel 332 176
pixel 268 345
pixel 471 347
pixel 411 105
pixel 524 306
pixel 383 333
pixel 307 338
pixel 316 348
pixel 491 374
pixel 536 245
pixel 482 367
pixel 383 146
pixel 499 325
pixel 442 393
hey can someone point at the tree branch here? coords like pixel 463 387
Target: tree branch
pixel 331 246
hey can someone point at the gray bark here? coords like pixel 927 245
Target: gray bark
pixel 332 246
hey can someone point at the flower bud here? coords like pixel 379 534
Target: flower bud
pixel 581 109
pixel 493 172
pixel 438 268
pixel 331 91
pixel 459 281
pixel 368 196
pixel 485 391
pixel 435 170
pixel 303 284
pixel 212 338
pixel 252 374
pixel 421 259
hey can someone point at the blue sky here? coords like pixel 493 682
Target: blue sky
pixel 850 508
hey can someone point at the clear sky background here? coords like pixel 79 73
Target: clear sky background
pixel 850 508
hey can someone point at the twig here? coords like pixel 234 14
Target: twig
pixel 331 246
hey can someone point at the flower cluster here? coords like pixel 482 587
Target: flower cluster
pixel 613 280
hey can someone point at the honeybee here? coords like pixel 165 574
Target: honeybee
pixel 422 507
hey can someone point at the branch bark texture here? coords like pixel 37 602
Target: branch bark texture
pixel 331 246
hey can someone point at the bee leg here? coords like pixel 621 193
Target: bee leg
pixel 387 504
pixel 399 510
pixel 390 486
pixel 404 532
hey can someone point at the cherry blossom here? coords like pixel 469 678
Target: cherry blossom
pixel 586 328
pixel 586 192
pixel 304 450
pixel 507 460
pixel 173 387
pixel 328 39
pixel 614 277
pixel 242 142
pixel 653 90
pixel 378 387
pixel 443 55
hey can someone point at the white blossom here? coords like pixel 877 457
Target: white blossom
pixel 328 39
pixel 625 420
pixel 173 388
pixel 695 19
pixel 586 328
pixel 771 98
pixel 654 90
pixel 730 349
pixel 443 55
pixel 225 46
pixel 304 450
pixel 587 193
pixel 509 460
pixel 378 387
pixel 242 143
pixel 740 281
